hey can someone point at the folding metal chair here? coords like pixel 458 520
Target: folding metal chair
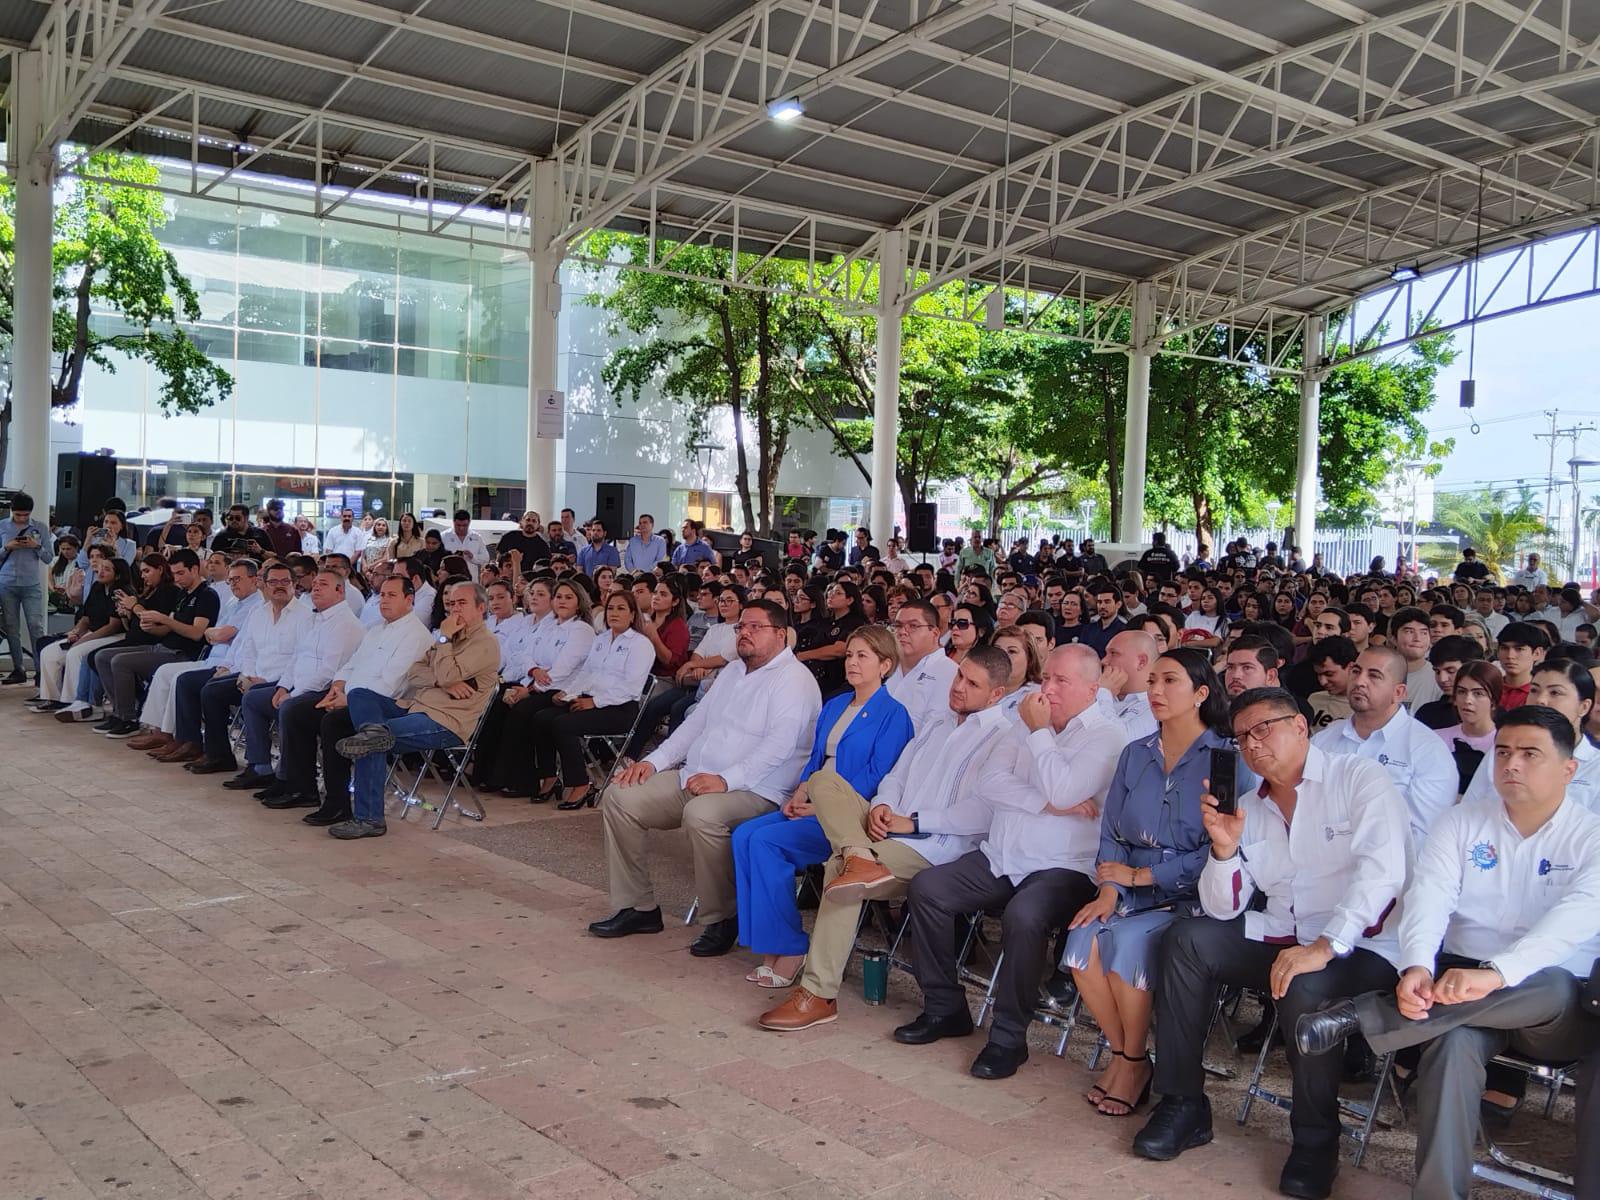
pixel 614 742
pixel 1519 1174
pixel 1364 1115
pixel 456 759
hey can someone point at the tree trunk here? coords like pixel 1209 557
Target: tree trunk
pixel 1203 517
pixel 730 360
pixel 5 432
pixel 908 493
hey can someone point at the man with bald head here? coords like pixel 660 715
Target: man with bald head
pixel 1380 728
pixel 1125 680
pixel 1036 863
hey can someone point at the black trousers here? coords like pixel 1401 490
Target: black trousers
pixel 558 734
pixel 1032 912
pixel 299 732
pixel 505 743
pixel 1199 956
pixel 335 766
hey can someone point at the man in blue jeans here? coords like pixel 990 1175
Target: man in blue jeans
pixel 440 701
pixel 25 548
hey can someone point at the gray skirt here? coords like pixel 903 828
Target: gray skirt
pixel 1130 946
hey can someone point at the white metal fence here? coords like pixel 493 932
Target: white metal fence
pixel 1344 551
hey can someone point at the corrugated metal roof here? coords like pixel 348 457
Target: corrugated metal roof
pixel 933 113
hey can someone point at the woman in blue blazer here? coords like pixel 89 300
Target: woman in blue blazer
pixel 859 734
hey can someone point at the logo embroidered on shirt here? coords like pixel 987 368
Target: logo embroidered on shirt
pixel 1546 866
pixel 1484 856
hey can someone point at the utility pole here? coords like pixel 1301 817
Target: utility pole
pixel 1571 433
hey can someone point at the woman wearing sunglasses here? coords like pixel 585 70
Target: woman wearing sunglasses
pixel 970 625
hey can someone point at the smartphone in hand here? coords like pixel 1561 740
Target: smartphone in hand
pixel 1225 779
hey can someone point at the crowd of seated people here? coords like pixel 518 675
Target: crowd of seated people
pixel 1410 860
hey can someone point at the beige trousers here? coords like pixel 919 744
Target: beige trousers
pixel 661 803
pixel 843 815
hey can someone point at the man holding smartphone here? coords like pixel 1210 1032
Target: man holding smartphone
pixel 1325 840
pixel 25 549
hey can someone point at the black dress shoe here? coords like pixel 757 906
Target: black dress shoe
pixel 1309 1174
pixel 927 1029
pixel 15 677
pixel 628 920
pixel 1326 1029
pixel 1058 991
pixel 247 780
pixel 998 1062
pixel 1178 1123
pixel 716 938
pixel 106 725
pixel 211 766
pixel 278 787
pixel 1250 1042
pixel 291 800
pixel 322 817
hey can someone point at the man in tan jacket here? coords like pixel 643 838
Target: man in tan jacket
pixel 444 693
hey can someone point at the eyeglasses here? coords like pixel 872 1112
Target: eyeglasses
pixel 909 625
pixel 961 623
pixel 753 625
pixel 1257 733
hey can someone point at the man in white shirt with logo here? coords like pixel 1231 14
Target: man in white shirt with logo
pixel 1568 688
pixel 379 663
pixel 932 807
pixel 1036 864
pixel 1125 683
pixel 330 637
pixel 1379 727
pixel 1501 920
pixel 922 684
pixel 1325 840
pixel 736 756
pixel 462 539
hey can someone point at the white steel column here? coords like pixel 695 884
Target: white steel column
pixel 28 461
pixel 544 321
pixel 1307 460
pixel 1136 434
pixel 886 397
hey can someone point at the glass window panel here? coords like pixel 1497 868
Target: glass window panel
pixel 285 349
pixel 357 283
pixel 356 407
pixel 433 294
pixel 276 424
pixel 431 364
pixel 497 432
pixel 504 372
pixel 277 271
pixel 255 488
pixel 430 430
pixel 501 297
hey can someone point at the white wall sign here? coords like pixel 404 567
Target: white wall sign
pixel 550 415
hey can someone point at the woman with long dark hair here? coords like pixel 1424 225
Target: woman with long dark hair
pixel 665 623
pixel 409 538
pixel 97 626
pixel 1153 846
pixel 970 625
pixel 843 616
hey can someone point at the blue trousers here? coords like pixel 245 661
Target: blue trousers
pixel 412 731
pixel 259 718
pixel 767 850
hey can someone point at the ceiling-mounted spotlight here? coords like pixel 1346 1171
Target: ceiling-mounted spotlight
pixel 1405 274
pixel 786 110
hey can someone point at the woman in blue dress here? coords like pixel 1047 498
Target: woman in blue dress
pixel 859 734
pixel 1152 848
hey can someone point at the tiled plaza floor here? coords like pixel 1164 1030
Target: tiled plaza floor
pixel 202 998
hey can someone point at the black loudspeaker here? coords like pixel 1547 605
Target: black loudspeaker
pixel 613 504
pixel 922 528
pixel 84 482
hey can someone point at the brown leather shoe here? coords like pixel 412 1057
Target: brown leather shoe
pixel 181 752
pixel 861 876
pixel 154 739
pixel 801 1010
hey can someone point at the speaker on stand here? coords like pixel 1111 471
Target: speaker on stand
pixel 922 528
pixel 614 505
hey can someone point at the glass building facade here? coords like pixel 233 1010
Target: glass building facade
pixel 382 368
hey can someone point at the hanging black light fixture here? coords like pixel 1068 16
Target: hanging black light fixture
pixel 1469 385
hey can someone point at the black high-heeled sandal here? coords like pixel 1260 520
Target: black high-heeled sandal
pixel 1132 1106
pixel 588 800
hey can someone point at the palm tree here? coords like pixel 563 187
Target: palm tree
pixel 1494 524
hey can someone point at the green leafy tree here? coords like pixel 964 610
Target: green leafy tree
pixel 106 254
pixel 712 346
pixel 1494 523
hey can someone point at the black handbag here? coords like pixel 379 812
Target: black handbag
pixel 1591 991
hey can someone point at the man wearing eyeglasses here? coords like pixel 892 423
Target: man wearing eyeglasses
pixel 737 755
pixel 1324 840
pixel 922 684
